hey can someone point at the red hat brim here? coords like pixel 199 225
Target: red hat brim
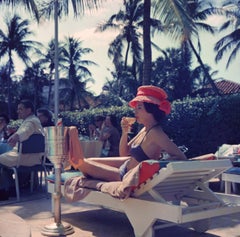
pixel 154 95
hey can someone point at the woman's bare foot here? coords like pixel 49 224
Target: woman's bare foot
pixel 76 163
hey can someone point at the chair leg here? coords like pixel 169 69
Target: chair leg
pixel 45 172
pixel 45 179
pixel 41 178
pixel 234 187
pixel 31 181
pixel 16 184
pixel 34 174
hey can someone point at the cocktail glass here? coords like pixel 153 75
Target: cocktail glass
pixel 131 121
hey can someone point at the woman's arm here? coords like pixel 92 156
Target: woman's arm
pixel 158 142
pixel 172 150
pixel 123 144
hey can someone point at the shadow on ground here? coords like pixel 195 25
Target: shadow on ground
pixel 107 223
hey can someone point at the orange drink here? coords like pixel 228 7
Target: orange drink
pixel 131 121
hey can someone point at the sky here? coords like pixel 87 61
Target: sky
pixel 84 28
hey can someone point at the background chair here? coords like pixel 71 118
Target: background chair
pixel 34 144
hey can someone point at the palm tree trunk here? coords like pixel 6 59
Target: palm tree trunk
pixel 10 66
pixel 126 56
pixel 210 80
pixel 49 88
pixel 9 93
pixel 147 52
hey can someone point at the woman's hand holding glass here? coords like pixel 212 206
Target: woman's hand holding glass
pixel 126 124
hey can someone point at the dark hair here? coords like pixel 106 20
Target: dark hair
pixel 153 109
pixel 113 120
pixel 27 104
pixel 99 118
pixel 6 118
pixel 46 113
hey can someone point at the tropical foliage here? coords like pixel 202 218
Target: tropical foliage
pixel 30 5
pixel 47 62
pixel 126 47
pixel 230 43
pixel 193 122
pixel 15 40
pixel 77 72
pixel 179 20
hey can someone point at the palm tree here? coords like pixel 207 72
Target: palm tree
pixel 127 21
pixel 59 9
pixel 47 61
pixel 177 71
pixel 29 4
pixel 15 40
pixel 78 7
pixel 32 84
pixel 180 17
pixel 3 82
pixel 147 51
pixel 230 42
pixel 76 69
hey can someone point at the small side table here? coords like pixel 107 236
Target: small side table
pixel 231 177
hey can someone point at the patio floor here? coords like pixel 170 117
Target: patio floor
pixel 89 221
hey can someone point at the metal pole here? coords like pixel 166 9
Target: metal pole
pixel 57 194
pixel 56 81
pixel 57 228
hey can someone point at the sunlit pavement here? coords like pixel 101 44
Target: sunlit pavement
pixel 89 221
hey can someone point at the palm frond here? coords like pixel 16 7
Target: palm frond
pixel 226 44
pixel 79 7
pixel 174 16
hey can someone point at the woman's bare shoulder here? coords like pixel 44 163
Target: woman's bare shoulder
pixel 158 132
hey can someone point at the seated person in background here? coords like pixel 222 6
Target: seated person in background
pixel 45 116
pixel 96 128
pixel 110 137
pixel 30 125
pixel 4 133
pixel 92 132
pixel 150 107
pixel 4 121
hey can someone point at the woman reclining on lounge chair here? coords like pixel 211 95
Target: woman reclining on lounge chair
pixel 150 106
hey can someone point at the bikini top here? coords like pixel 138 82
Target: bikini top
pixel 137 152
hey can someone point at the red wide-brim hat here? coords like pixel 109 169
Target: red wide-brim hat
pixel 154 95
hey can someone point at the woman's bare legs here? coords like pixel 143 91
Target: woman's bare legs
pixel 99 171
pixel 96 169
pixel 103 168
pixel 112 161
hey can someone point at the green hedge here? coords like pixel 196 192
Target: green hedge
pixel 201 124
pixel 82 119
pixel 204 124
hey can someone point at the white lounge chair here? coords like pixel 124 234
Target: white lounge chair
pixel 177 194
